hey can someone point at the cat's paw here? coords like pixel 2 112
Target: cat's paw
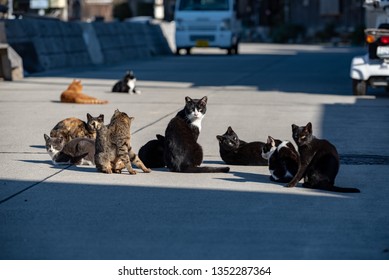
pixel 290 185
pixel 132 172
pixel 147 170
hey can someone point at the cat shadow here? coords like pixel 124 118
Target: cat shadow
pixel 244 177
pixel 38 146
pixel 48 162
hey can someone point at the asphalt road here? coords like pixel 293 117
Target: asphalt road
pixel 73 212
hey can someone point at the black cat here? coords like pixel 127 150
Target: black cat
pixel 151 153
pixel 319 161
pixel 182 152
pixel 126 84
pixel 238 152
pixel 283 159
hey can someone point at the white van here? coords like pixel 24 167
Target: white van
pixel 207 23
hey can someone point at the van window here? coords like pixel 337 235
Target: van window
pixel 204 5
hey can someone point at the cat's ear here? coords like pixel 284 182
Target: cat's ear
pixel 309 127
pixel 116 111
pixel 229 130
pixel 188 99
pixel 101 118
pixel 47 137
pixel 204 100
pixel 160 137
pixel 270 140
pixel 219 138
pixel 88 116
pixel 294 127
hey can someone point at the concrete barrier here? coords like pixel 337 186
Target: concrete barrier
pixel 52 44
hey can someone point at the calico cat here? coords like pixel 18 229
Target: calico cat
pixel 238 152
pixel 283 159
pixel 113 147
pixel 151 153
pixel 319 161
pixel 127 84
pixel 182 152
pixel 79 151
pixel 72 128
pixel 74 94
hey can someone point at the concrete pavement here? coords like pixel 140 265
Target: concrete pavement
pixel 73 212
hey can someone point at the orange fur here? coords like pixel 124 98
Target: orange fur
pixel 73 94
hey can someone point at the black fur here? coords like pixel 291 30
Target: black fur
pixel 283 159
pixel 123 84
pixel 151 153
pixel 319 161
pixel 238 152
pixel 182 152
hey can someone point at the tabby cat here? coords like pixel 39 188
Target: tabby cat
pixel 72 128
pixel 238 152
pixel 182 152
pixel 113 147
pixel 127 84
pixel 151 153
pixel 79 151
pixel 319 161
pixel 283 159
pixel 74 94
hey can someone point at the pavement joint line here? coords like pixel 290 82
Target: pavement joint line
pixel 33 185
pixel 156 121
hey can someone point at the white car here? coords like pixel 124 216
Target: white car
pixel 372 69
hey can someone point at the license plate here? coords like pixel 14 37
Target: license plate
pixel 383 51
pixel 202 43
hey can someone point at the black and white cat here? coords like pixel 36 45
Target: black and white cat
pixel 283 159
pixel 79 151
pixel 182 152
pixel 152 152
pixel 127 84
pixel 319 161
pixel 238 152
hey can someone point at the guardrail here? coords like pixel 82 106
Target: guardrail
pixel 51 44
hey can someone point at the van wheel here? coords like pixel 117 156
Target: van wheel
pixel 359 87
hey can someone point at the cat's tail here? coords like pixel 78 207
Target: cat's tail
pixel 90 101
pixel 344 190
pixel 206 169
pixel 334 189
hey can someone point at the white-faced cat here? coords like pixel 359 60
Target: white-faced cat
pixel 238 152
pixel 79 151
pixel 127 84
pixel 319 161
pixel 182 152
pixel 283 159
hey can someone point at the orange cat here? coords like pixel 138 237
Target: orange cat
pixel 74 94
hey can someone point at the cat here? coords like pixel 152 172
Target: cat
pixel 126 84
pixel 72 128
pixel 283 159
pixel 113 147
pixel 151 153
pixel 319 161
pixel 74 94
pixel 79 151
pixel 238 152
pixel 182 152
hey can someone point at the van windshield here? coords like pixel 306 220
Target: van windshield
pixel 203 5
